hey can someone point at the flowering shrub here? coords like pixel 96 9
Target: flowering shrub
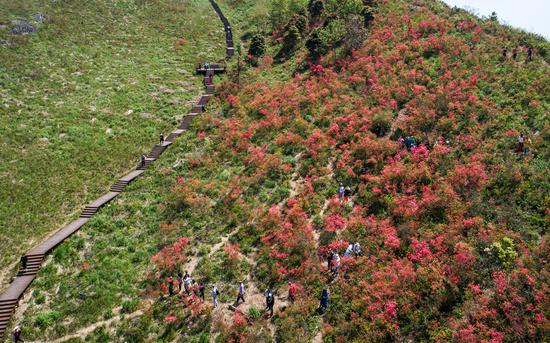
pixel 419 123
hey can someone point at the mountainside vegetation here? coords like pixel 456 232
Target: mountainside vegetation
pixel 394 124
pixel 83 97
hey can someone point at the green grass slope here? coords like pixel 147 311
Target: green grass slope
pixel 83 97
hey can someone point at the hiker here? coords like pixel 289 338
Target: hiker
pixel 240 296
pixel 401 141
pixel 291 292
pixel 186 283
pixel 142 160
pixel 514 53
pixel 357 249
pixel 201 290
pixel 170 286
pixel 324 301
pixel 347 192
pixel 195 288
pixel 23 262
pixel 329 259
pixel 505 52
pixel 336 263
pixel 16 334
pixel 210 79
pixel 526 144
pixel 349 250
pixel 378 131
pixel 215 294
pixel 340 191
pixel 161 139
pixel 270 302
pixel 180 281
pixel 521 141
pixel 529 54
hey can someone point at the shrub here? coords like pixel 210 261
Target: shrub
pixel 291 39
pixel 45 320
pixel 257 46
pixel 315 46
pixel 315 8
pixel 254 313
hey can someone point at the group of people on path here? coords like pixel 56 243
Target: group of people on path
pixel 187 286
pixel 334 260
pixel 344 192
pixel 515 50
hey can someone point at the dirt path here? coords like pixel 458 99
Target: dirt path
pixel 82 333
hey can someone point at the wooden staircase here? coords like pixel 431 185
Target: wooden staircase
pixel 88 211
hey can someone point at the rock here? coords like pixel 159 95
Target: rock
pixel 146 115
pixel 109 131
pixel 129 112
pixel 39 17
pixel 22 27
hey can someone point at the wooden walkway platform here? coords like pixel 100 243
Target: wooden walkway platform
pixel 32 260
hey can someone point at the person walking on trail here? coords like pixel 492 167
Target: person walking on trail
pixel 340 191
pixel 526 144
pixel 336 263
pixel 187 283
pixel 529 54
pixel 514 53
pixel 521 142
pixel 357 249
pixel 180 281
pixel 201 290
pixel 324 301
pixel 170 286
pixel 215 295
pixel 347 192
pixel 270 302
pixel 330 259
pixel 505 52
pixel 16 334
pixel 142 159
pixel 291 292
pixel 240 296
pixel 161 139
pixel 349 250
pixel 23 262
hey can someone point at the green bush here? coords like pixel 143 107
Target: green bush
pixel 254 313
pixel 257 46
pixel 315 45
pixel 47 319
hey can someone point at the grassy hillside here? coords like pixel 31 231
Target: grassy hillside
pixel 83 97
pixel 454 231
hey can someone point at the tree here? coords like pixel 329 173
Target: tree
pixel 368 15
pixel 315 46
pixel 493 17
pixel 315 8
pixel 291 39
pixel 257 46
